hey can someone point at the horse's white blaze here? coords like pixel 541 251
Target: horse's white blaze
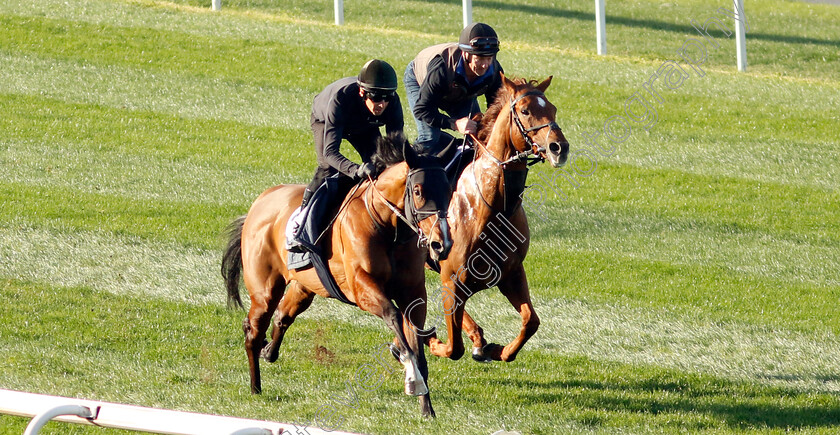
pixel 541 101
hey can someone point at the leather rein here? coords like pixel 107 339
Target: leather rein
pixel 414 218
pixel 531 156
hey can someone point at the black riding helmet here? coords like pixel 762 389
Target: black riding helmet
pixel 378 78
pixel 479 39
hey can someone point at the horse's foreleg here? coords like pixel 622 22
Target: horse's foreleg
pixel 372 299
pixel 453 315
pixel 414 319
pixel 515 288
pixel 294 302
pixel 415 380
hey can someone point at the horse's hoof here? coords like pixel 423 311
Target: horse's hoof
pixel 266 355
pixel 478 355
pixel 493 351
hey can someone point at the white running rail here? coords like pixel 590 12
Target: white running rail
pixel 43 408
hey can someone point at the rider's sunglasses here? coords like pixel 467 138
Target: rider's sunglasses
pixel 378 97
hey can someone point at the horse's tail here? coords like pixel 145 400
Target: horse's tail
pixel 232 262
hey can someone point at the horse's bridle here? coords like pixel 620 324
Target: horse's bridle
pixel 531 156
pixel 415 216
pixel 535 149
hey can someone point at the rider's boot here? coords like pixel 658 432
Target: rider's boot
pixel 295 223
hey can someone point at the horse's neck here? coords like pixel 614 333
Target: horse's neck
pixel 390 188
pixel 487 168
pixel 499 141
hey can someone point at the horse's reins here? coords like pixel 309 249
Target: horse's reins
pixel 422 240
pixel 531 156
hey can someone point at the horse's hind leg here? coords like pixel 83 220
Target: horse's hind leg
pixel 263 304
pixel 294 302
pixel 476 335
pixel 515 288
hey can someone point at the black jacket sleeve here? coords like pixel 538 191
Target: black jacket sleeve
pixel 333 131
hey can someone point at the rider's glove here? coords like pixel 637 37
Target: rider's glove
pixel 365 170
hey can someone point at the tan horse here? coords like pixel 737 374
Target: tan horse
pixel 488 224
pixel 370 264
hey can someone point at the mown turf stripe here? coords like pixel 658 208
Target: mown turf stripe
pixel 101 344
pixel 164 92
pixel 109 262
pixel 68 127
pixel 186 223
pixel 785 258
pixel 650 336
pixel 66 166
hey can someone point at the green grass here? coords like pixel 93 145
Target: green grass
pixel 189 357
pixel 688 284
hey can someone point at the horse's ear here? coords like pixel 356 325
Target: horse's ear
pixel 508 84
pixel 544 85
pixel 410 155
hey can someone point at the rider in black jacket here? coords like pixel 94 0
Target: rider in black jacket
pixel 352 108
pixel 449 78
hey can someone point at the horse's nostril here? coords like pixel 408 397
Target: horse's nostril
pixel 436 246
pixel 554 147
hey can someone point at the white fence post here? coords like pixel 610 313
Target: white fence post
pixel 339 12
pixel 217 5
pixel 740 35
pixel 467 12
pixel 600 27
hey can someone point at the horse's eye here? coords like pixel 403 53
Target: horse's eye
pixel 417 191
pixel 525 112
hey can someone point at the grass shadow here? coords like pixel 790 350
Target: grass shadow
pixel 641 22
pixel 735 405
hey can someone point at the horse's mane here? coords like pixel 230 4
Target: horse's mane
pixel 501 99
pixel 389 150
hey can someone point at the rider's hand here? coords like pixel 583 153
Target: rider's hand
pixel 365 170
pixel 466 126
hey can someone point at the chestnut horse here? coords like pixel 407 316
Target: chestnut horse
pixel 487 221
pixel 371 253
